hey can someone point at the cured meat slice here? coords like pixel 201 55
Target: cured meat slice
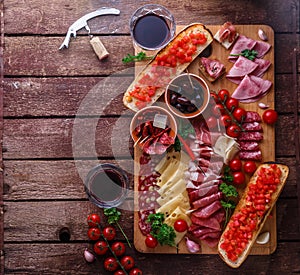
pixel 250 136
pixel 249 145
pixel 213 221
pixel 252 126
pixel 252 116
pixel 212 69
pixel 241 67
pixel 250 155
pixel 201 192
pixel 202 202
pixel 211 242
pixel 199 232
pixel 263 66
pixel 241 44
pixel 208 210
pixel 262 48
pixel 263 84
pixel 246 89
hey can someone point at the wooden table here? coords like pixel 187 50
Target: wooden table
pixel 42 200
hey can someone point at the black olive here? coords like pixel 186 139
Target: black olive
pixel 183 100
pixel 173 99
pixel 191 108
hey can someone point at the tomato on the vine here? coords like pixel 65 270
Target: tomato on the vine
pixel 238 177
pixel 226 120
pixel 239 114
pixel 211 122
pixel 119 272
pixel 127 262
pixel 180 225
pixel 118 248
pixel 223 95
pixel 250 166
pixel 94 233
pixel 100 247
pixel 235 165
pixel 233 131
pixel 270 116
pixel 93 220
pixel 109 233
pixel 150 241
pixel 214 97
pixel 232 104
pixel 135 271
pixel 218 110
pixel 111 264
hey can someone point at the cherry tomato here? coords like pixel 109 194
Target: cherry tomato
pixel 232 104
pixel 180 225
pixel 250 166
pixel 111 264
pixel 233 131
pixel 93 220
pixel 211 122
pixel 238 177
pixel 127 262
pixel 100 247
pixel 235 165
pixel 226 120
pixel 223 94
pixel 94 233
pixel 270 116
pixel 151 242
pixel 109 233
pixel 135 271
pixel 214 98
pixel 119 272
pixel 218 110
pixel 118 248
pixel 239 114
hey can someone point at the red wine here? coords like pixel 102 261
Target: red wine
pixel 107 185
pixel 151 31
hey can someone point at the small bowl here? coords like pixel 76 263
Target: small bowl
pixel 189 93
pixel 159 116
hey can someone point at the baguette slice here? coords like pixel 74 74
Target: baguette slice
pixel 284 174
pixel 129 101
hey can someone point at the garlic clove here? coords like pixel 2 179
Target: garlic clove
pixel 263 238
pixel 263 105
pixel 262 35
pixel 192 246
pixel 89 257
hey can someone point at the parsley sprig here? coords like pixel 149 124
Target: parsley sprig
pixel 113 216
pixel 164 233
pixel 250 54
pixel 134 58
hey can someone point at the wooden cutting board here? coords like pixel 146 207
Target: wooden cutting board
pixel 267 145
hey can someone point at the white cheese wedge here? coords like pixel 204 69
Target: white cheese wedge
pixel 226 147
pixel 172 192
pixel 164 163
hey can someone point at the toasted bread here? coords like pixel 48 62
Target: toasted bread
pixel 243 202
pixel 130 101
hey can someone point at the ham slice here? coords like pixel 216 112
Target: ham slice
pixel 263 66
pixel 251 89
pixel 241 44
pixel 243 66
pixel 262 48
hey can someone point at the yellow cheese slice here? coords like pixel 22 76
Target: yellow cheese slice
pixel 168 194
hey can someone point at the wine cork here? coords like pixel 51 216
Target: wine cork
pixel 99 48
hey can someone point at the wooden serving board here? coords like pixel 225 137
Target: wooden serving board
pixel 267 145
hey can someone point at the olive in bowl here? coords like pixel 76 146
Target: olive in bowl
pixel 187 95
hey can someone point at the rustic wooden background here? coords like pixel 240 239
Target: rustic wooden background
pixel 41 93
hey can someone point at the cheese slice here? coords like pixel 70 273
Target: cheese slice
pixel 178 213
pixel 170 193
pixel 165 162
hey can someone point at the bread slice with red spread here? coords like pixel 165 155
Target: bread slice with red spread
pixel 250 214
pixel 169 62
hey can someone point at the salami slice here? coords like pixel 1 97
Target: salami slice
pixel 252 116
pixel 250 136
pixel 252 126
pixel 250 155
pixel 249 145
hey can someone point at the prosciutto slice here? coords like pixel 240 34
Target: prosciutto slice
pixel 262 48
pixel 208 210
pixel 202 202
pixel 241 44
pixel 206 191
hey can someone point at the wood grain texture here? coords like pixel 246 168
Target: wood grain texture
pixel 38 17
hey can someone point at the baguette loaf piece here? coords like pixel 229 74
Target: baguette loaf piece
pixel 250 214
pixel 169 62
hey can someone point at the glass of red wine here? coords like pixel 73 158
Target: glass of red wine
pixel 152 27
pixel 106 185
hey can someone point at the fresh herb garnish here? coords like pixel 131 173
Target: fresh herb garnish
pixel 228 206
pixel 113 216
pixel 164 233
pixel 227 177
pixel 228 190
pixel 250 54
pixel 134 58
